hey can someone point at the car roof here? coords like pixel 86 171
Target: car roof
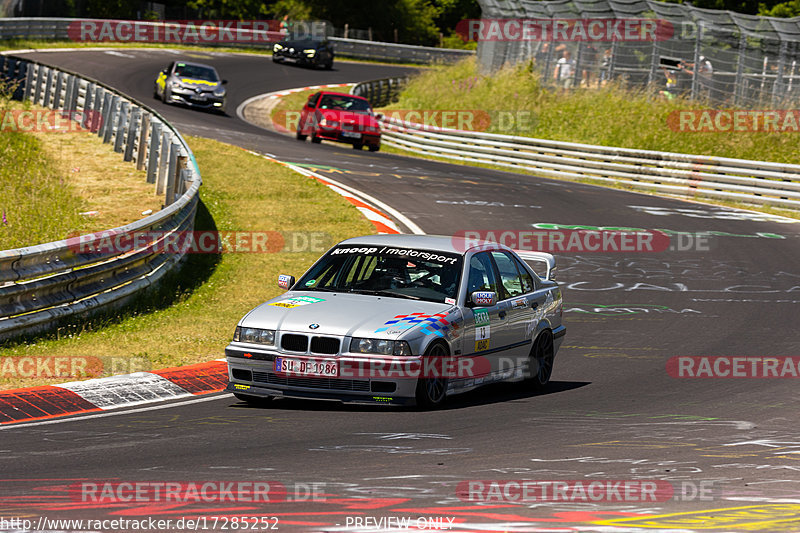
pixel 439 243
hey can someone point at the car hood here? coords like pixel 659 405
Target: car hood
pixel 347 314
pixel 350 118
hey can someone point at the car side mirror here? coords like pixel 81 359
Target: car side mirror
pixel 487 298
pixel 379 116
pixel 285 281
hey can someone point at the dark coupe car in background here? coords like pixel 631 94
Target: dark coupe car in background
pixel 339 117
pixel 307 52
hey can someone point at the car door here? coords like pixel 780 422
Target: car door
pixel 516 288
pixel 486 334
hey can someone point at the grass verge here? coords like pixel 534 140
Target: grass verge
pixel 192 317
pixel 59 182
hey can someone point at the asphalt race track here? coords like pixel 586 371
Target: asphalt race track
pixel 613 412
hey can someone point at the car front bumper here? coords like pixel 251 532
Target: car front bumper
pixel 205 100
pixel 362 379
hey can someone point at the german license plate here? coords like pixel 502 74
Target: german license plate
pixel 307 367
pixel 351 134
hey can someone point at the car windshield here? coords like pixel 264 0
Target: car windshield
pixel 196 72
pixel 387 271
pixel 344 103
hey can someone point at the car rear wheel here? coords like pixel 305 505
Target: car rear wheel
pixel 541 358
pixel 374 147
pixel 253 400
pixel 300 136
pixel 432 391
pixel 357 146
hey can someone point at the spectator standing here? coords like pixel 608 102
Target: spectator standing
pixel 565 70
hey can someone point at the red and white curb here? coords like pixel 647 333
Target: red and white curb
pixel 101 394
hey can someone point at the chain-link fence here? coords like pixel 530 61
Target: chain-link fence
pixel 724 57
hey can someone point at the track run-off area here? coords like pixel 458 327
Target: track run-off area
pixel 728 449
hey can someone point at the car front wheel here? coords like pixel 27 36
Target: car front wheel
pixel 314 138
pixel 432 390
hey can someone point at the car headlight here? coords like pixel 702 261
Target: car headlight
pixel 254 335
pixel 328 123
pixel 219 91
pixel 277 47
pixel 175 85
pixel 379 346
pixel 310 51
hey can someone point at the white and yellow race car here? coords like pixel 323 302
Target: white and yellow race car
pixel 191 84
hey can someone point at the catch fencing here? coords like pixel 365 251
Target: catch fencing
pixel 691 176
pixel 722 57
pixel 47 284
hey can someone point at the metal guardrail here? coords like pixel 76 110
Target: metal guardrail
pixel 382 92
pixel 57 28
pixel 755 182
pixel 58 280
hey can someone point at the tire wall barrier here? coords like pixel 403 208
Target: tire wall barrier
pixel 690 176
pixel 43 284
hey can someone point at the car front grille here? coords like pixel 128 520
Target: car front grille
pixel 294 343
pixel 312 383
pixel 326 345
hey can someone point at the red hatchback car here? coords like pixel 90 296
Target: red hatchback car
pixel 339 117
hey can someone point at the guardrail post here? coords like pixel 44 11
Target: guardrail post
pixel 48 86
pixel 40 71
pixel 75 89
pixel 67 82
pixel 102 103
pixel 173 172
pixel 110 116
pixel 122 125
pixel 133 130
pixel 59 88
pixel 144 134
pixel 88 106
pixel 163 161
pixel 30 81
pixel 152 158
